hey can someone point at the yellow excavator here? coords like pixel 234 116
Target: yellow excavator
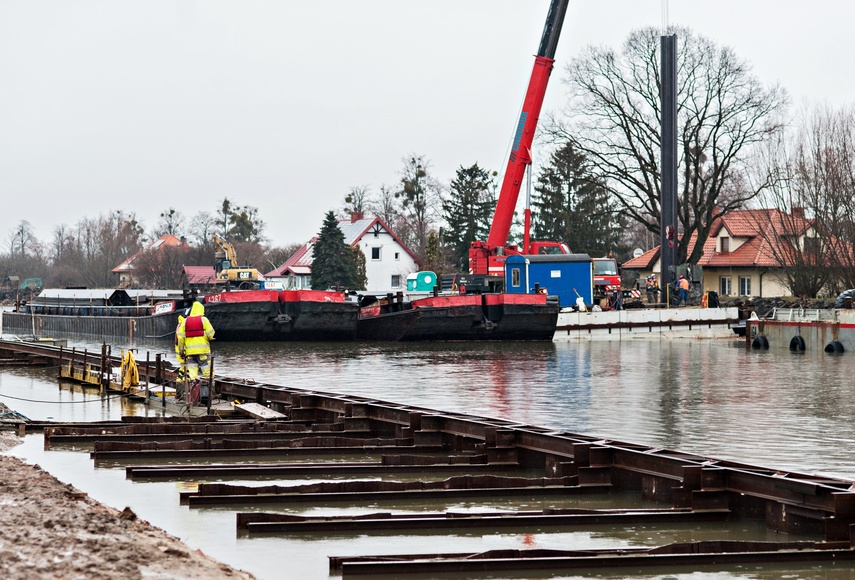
pixel 227 269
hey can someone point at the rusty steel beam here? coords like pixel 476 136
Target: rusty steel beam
pixel 314 469
pixel 406 495
pixel 202 454
pixel 279 436
pixel 430 523
pixel 463 486
pixel 715 555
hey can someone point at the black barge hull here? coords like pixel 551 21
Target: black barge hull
pixel 289 315
pixel 460 318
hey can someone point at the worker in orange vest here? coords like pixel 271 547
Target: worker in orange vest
pixel 683 285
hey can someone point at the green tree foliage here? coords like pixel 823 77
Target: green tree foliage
pixel 468 212
pixel 571 205
pixel 239 223
pixel 247 226
pixel 435 259
pixel 333 263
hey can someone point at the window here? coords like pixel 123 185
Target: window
pixel 397 255
pixel 515 277
pixel 724 286
pixel 812 246
pixel 396 280
pixel 745 285
pixel 375 253
pixel 725 245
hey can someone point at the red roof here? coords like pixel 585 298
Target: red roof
pixel 758 250
pixel 200 274
pixel 163 241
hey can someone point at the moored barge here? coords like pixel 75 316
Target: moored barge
pixel 459 317
pixel 281 315
pixel 804 329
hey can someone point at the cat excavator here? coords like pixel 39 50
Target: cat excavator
pixel 227 269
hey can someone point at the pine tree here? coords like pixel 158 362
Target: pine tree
pixel 468 212
pixel 434 255
pixel 572 205
pixel 333 264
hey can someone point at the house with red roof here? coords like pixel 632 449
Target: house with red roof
pixel 743 253
pixel 388 261
pixel 125 270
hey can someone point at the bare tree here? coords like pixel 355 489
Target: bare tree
pixel 276 256
pixel 387 209
pixel 420 199
pixel 161 267
pixel 613 116
pixel 171 222
pixel 21 239
pixel 202 227
pixel 809 229
pixel 357 200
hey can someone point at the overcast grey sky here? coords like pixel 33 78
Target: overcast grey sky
pixel 284 105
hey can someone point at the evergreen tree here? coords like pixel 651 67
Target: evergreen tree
pixel 333 264
pixel 572 205
pixel 468 212
pixel 434 255
pixel 360 268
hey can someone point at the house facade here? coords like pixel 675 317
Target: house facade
pixel 388 261
pixel 743 254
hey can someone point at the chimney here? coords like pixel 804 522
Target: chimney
pixel 799 212
pixel 356 215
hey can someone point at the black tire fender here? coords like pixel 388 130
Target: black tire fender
pixel 835 347
pixel 760 343
pixel 797 343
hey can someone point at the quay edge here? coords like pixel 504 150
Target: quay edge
pixel 647 323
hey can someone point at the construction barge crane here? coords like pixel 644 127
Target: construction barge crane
pixel 487 258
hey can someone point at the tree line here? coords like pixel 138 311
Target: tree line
pixel 84 254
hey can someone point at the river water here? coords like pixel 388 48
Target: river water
pixel 775 409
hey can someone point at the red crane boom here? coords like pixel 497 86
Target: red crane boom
pixel 485 258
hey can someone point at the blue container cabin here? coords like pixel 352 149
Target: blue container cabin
pixel 567 276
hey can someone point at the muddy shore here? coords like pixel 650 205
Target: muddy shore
pixel 49 529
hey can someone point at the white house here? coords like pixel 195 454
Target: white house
pixel 388 261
